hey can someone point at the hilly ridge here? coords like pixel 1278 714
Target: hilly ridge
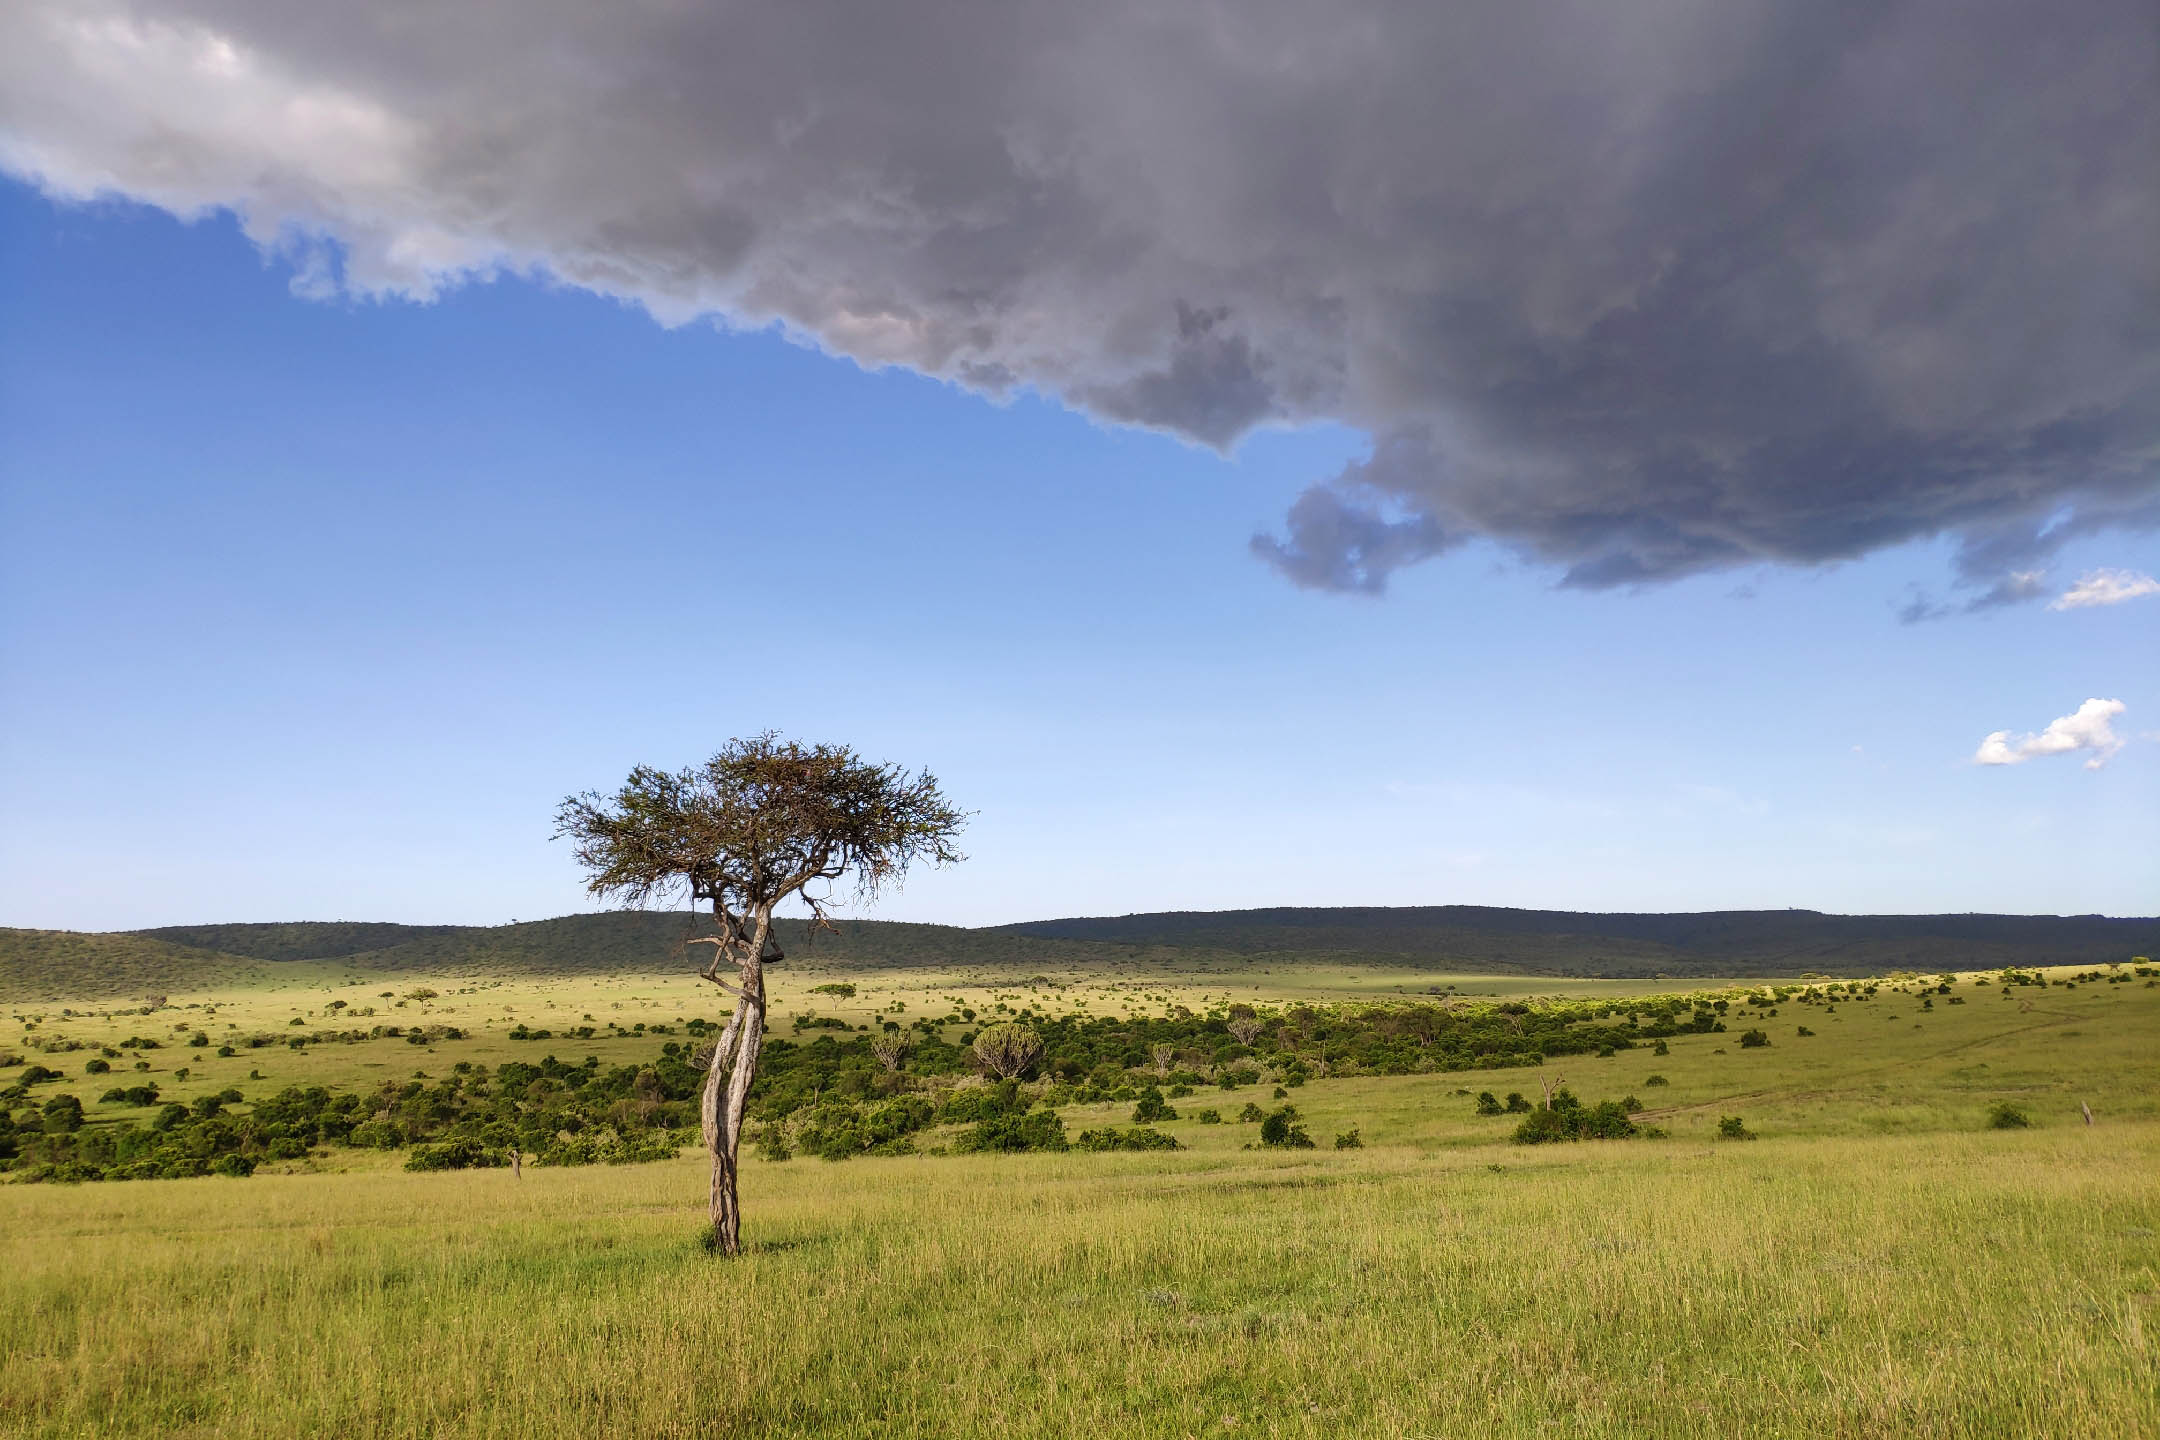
pixel 52 964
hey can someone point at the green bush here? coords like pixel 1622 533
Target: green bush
pixel 1037 1130
pixel 1209 1117
pixel 459 1154
pixel 1516 1104
pixel 1487 1104
pixel 2003 1115
pixel 1730 1128
pixel 1349 1140
pixel 1282 1131
pixel 1139 1137
pixel 1152 1108
pixel 1570 1119
pixel 1657 1080
pixel 1251 1114
pixel 1753 1039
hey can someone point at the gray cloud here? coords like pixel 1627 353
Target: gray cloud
pixel 1635 291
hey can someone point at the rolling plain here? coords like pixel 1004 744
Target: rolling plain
pixel 1873 1256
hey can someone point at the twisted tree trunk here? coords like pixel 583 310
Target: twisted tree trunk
pixel 728 1076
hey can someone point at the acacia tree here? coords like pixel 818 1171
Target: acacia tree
pixel 764 820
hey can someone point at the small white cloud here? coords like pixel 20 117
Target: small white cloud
pixel 2105 587
pixel 2087 728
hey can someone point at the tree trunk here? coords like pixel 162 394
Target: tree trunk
pixel 728 1076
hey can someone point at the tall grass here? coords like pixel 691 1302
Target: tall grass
pixel 1946 1285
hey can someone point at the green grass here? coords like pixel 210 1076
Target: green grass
pixel 1878 1264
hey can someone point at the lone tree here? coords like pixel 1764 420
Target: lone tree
pixel 1008 1050
pixel 763 820
pixel 892 1050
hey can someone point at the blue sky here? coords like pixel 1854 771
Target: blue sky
pixel 313 608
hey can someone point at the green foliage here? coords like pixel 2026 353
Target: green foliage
pixel 1731 1128
pixel 1251 1114
pixel 1139 1137
pixel 1656 1080
pixel 1516 1104
pixel 842 988
pixel 1152 1108
pixel 1350 1140
pixel 459 1154
pixel 1209 1117
pixel 2002 1115
pixel 1035 1130
pixel 1487 1103
pixel 1753 1039
pixel 1567 1118
pixel 1281 1130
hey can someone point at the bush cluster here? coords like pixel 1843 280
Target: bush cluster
pixel 1567 1118
pixel 1138 1137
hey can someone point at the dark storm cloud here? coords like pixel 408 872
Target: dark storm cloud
pixel 1637 291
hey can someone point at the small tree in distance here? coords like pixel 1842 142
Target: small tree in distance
pixel 1008 1050
pixel 764 820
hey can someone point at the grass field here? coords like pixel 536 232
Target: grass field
pixel 1878 1263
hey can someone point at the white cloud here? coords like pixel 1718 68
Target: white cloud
pixel 2087 728
pixel 2105 587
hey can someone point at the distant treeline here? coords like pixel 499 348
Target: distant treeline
pixel 61 965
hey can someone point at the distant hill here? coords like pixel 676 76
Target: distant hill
pixel 1718 942
pixel 59 964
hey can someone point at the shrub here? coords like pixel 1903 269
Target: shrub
pixel 1516 1105
pixel 1657 1080
pixel 63 1115
pixel 1661 1048
pixel 1250 1114
pixel 1139 1137
pixel 1730 1128
pixel 1038 1130
pixel 97 1067
pixel 2003 1115
pixel 371 1134
pixel 1606 1120
pixel 1487 1104
pixel 1152 1108
pixel 1282 1130
pixel 1349 1140
pixel 1804 1031
pixel 1209 1117
pixel 1753 1039
pixel 457 1154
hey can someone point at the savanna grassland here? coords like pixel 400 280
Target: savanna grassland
pixel 1879 1261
